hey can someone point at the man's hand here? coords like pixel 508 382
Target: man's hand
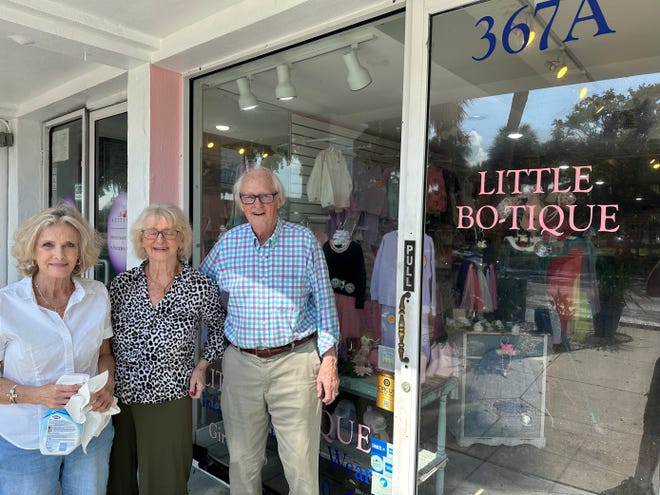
pixel 327 381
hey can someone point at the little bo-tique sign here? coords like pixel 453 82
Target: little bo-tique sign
pixel 547 218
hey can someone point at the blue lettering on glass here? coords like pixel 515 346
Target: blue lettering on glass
pixel 354 470
pixel 596 15
pixel 510 27
pixel 517 31
pixel 209 402
pixel 492 39
pixel 543 41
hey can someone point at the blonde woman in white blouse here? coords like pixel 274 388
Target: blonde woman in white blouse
pixel 52 323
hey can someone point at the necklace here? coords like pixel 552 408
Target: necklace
pixel 160 289
pixel 49 304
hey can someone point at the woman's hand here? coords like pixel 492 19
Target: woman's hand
pixel 198 379
pixel 103 399
pixel 54 396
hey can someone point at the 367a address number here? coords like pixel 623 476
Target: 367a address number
pixel 513 26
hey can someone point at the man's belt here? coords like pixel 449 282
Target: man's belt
pixel 264 352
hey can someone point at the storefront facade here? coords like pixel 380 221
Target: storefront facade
pixel 496 211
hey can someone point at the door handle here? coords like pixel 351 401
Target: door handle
pixel 402 326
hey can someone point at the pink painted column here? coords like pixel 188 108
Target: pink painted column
pixel 166 108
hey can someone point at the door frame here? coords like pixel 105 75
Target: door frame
pixel 411 230
pixel 93 117
pixel 47 127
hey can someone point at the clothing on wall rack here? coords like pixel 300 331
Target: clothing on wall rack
pixel 477 286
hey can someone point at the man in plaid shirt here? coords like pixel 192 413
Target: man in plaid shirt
pixel 282 326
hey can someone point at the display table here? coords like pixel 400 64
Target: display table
pixel 503 389
pixel 434 389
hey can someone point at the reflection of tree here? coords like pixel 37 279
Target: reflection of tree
pixel 112 167
pixel 507 153
pixel 449 145
pixel 614 134
pixel 617 135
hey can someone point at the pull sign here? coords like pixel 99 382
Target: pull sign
pixel 409 265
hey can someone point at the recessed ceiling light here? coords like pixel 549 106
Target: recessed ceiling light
pixel 515 135
pixel 222 127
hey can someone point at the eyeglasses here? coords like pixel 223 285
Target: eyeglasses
pixel 264 199
pixel 152 234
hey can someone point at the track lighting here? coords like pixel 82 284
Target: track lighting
pixel 246 100
pixel 284 90
pixel 358 76
pixel 558 66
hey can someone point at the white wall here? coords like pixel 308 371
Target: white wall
pixel 27 182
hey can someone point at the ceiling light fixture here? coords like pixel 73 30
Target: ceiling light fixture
pixel 558 66
pixel 358 77
pixel 222 127
pixel 284 90
pixel 246 100
pixel 514 135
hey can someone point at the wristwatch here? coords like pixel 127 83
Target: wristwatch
pixel 12 395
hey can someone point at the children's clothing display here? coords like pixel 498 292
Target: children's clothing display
pixel 369 198
pixel 478 287
pixel 383 288
pixel 348 279
pixel 330 182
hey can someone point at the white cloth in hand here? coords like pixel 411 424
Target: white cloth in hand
pixel 79 408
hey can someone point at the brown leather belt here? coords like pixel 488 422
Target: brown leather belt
pixel 264 352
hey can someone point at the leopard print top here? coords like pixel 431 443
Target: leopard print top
pixel 154 346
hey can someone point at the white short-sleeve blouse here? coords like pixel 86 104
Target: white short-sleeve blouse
pixel 37 346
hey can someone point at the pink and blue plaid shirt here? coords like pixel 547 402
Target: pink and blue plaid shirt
pixel 278 292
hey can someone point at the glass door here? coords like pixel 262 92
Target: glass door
pixel 108 148
pixel 540 192
pixel 65 139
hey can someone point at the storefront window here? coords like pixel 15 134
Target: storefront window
pixel 352 119
pixel 542 202
pixel 539 330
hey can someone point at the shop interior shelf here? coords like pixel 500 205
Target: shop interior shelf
pixel 434 389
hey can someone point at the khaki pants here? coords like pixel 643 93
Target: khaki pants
pixel 281 389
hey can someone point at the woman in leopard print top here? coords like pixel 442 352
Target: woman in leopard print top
pixel 157 310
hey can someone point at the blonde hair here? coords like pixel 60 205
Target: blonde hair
pixel 173 215
pixel 26 236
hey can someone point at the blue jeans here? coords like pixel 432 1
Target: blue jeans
pixel 29 471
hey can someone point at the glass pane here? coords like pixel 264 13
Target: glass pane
pixel 65 145
pixel 359 131
pixel 542 203
pixel 110 162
